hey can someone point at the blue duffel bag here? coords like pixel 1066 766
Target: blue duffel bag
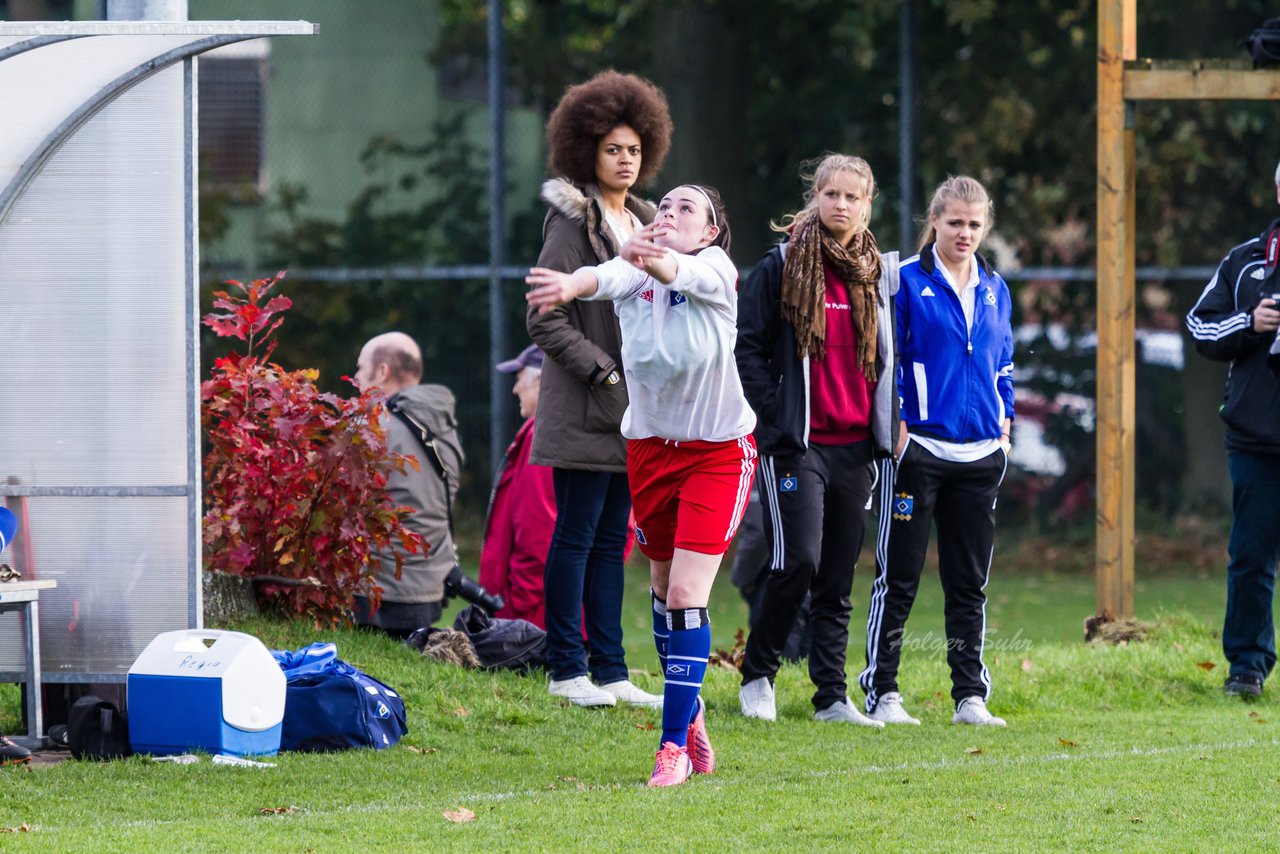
pixel 330 705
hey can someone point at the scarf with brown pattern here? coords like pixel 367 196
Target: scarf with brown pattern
pixel 804 288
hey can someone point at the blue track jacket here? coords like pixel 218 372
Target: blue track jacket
pixel 956 384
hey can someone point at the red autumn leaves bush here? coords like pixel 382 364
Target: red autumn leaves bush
pixel 294 478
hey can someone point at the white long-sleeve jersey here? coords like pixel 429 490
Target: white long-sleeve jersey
pixel 677 348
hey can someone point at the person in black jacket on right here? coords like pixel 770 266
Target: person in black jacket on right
pixel 816 357
pixel 1235 320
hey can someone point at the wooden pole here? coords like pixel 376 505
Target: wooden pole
pixel 1117 42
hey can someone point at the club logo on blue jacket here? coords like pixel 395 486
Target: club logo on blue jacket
pixel 990 298
pixel 903 505
pixel 382 712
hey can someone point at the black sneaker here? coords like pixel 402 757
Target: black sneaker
pixel 1242 685
pixel 13 754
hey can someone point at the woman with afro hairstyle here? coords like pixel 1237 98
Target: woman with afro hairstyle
pixel 605 135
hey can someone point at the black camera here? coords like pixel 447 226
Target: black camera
pixel 457 584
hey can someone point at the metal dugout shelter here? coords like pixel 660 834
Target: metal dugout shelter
pixel 99 315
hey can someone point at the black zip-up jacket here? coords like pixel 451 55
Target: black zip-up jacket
pixel 776 380
pixel 1221 323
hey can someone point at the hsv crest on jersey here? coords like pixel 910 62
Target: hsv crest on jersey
pixel 903 505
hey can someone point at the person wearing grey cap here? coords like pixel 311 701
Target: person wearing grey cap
pixel 522 508
pixel 1235 320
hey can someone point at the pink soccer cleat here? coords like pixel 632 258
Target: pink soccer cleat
pixel 701 756
pixel 671 766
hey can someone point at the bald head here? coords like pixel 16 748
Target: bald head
pixel 390 361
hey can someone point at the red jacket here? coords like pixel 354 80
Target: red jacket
pixel 517 534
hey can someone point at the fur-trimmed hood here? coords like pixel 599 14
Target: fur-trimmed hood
pixel 575 202
pixel 564 196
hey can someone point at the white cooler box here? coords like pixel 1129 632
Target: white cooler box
pixel 221 692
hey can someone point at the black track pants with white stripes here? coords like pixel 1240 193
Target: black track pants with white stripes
pixel 960 498
pixel 815 510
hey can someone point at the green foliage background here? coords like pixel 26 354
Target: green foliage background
pixel 1006 92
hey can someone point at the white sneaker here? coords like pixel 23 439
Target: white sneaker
pixel 973 710
pixel 625 691
pixel 889 710
pixel 581 692
pixel 846 712
pixel 756 698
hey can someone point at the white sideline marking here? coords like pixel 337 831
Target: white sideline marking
pixel 638 783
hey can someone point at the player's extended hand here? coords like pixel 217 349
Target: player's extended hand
pixel 641 248
pixel 550 288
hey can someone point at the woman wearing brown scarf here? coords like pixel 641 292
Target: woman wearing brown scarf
pixel 814 341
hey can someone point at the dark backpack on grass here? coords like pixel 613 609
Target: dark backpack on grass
pixel 503 644
pixel 97 729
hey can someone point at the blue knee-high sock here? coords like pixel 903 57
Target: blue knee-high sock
pixel 687 652
pixel 661 632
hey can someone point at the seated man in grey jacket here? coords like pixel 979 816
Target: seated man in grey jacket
pixel 392 363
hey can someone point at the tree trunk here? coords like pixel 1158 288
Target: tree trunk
pixel 705 78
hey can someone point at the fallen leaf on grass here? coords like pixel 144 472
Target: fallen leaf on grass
pixel 22 828
pixel 568 779
pixel 1066 742
pixel 412 749
pixel 645 725
pixel 1177 647
pixel 460 712
pixel 1253 714
pixel 276 810
pixel 1026 665
pixel 1205 665
pixel 730 659
pixel 973 751
pixel 461 815
pixel 999 807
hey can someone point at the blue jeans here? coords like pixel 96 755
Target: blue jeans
pixel 584 575
pixel 1249 632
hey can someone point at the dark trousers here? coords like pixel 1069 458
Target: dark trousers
pixel 1248 631
pixel 584 575
pixel 815 515
pixel 960 498
pixel 750 574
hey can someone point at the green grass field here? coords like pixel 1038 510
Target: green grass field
pixel 1108 747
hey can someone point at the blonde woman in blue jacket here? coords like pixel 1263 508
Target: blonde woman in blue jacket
pixel 955 381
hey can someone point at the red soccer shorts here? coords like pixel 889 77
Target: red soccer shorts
pixel 689 495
